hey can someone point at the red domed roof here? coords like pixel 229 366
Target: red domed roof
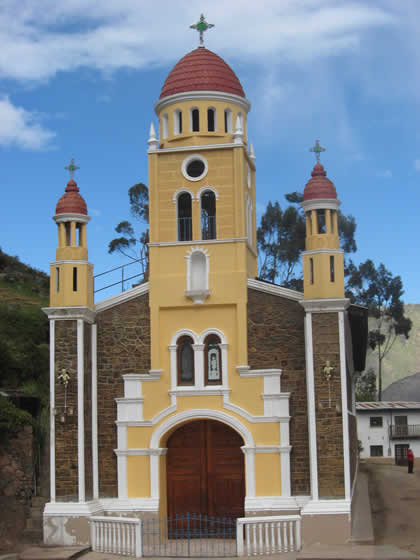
pixel 319 186
pixel 201 70
pixel 71 202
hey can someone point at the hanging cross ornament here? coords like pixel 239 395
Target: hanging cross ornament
pixel 72 168
pixel 317 149
pixel 201 26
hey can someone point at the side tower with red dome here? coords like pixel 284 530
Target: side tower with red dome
pixel 71 273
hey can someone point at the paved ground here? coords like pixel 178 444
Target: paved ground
pixel 395 503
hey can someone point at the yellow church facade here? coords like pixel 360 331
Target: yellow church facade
pixel 205 389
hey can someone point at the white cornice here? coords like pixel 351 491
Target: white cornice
pixel 327 507
pixel 273 503
pixel 328 305
pixel 199 241
pixel 70 313
pixel 122 298
pixel 130 504
pixel 72 509
pixel 329 251
pixel 198 95
pixel 197 148
pixel 275 290
pixel 153 375
pixel 69 217
pixel 194 392
pixel 320 204
pixel 246 371
pixel 71 261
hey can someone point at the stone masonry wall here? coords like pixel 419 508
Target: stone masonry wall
pixel 123 347
pixel 16 484
pixel 276 340
pixel 328 417
pixel 66 431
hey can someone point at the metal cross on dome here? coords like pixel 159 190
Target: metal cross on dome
pixel 72 168
pixel 317 149
pixel 201 26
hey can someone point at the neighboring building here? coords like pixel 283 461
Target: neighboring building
pixel 387 429
pixel 205 389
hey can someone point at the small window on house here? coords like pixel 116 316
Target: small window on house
pixel 195 120
pixel 208 215
pixel 332 269
pixel 320 214
pixel 212 360
pixel 185 359
pixel 67 227
pixel 177 122
pixel 57 279
pixel 75 279
pixel 376 421
pixel 376 451
pixel 165 126
pixel 228 120
pixel 211 120
pixel 184 217
pixel 311 271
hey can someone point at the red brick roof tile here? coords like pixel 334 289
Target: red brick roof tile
pixel 201 70
pixel 71 202
pixel 319 186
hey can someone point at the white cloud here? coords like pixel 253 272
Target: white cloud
pixel 43 37
pixel 20 128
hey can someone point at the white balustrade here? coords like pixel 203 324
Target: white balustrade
pixel 268 535
pixel 116 535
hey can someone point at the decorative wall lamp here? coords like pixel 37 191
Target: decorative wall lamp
pixel 328 370
pixel 64 379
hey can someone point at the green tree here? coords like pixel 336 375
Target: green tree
pixel 131 243
pixel 381 293
pixel 366 386
pixel 281 240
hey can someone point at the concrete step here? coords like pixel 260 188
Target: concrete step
pixel 361 519
pixel 53 552
pixel 355 552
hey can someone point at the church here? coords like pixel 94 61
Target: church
pixel 204 389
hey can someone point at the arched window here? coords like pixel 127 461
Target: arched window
pixel 177 122
pixel 208 215
pixel 195 120
pixel 228 120
pixel 212 360
pixel 211 119
pixel 185 360
pixel 165 126
pixel 184 217
pixel 321 224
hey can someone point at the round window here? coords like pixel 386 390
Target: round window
pixel 194 167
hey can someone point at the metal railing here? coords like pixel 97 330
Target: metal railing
pixel 116 535
pixel 268 535
pixel 124 278
pixel 184 229
pixel 405 431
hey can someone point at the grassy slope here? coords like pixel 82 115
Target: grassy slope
pixel 404 357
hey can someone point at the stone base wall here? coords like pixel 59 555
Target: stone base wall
pixel 325 529
pixel 66 530
pixel 16 486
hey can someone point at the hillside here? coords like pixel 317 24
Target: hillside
pixel 23 327
pixel 404 357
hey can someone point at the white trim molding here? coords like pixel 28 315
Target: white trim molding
pixel 207 188
pixel 328 305
pixel 95 464
pixel 320 204
pixel 122 298
pixel 69 217
pixel 52 410
pixel 328 251
pixel 70 313
pixel 344 407
pixel 327 507
pixel 275 503
pixel 198 294
pixel 310 395
pixel 180 191
pixel 188 160
pixel 200 241
pixel 80 411
pixel 275 290
pixel 202 95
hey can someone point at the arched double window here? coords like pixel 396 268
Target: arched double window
pixel 212 360
pixel 208 215
pixel 185 360
pixel 184 208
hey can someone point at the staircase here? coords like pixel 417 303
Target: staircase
pixel 33 531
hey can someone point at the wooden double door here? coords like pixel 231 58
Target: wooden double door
pixel 205 470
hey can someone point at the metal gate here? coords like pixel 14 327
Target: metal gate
pixel 401 453
pixel 189 534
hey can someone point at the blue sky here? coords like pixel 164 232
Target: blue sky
pixel 79 79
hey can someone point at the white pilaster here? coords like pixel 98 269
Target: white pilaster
pixel 310 391
pixel 199 365
pixel 95 468
pixel 80 411
pixel 52 410
pixel 344 406
pixel 172 353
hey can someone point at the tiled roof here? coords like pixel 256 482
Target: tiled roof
pixel 71 202
pixel 386 404
pixel 318 185
pixel 201 70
